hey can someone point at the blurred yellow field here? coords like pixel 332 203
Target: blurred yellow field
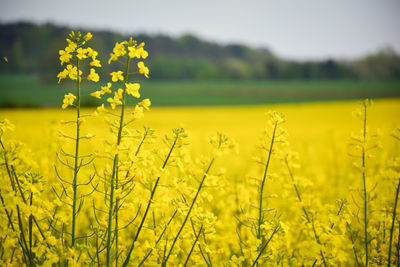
pixel 323 175
pixel 307 124
pixel 323 125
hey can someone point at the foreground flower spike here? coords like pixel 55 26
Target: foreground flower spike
pixel 123 53
pixel 74 55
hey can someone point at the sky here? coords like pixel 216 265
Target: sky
pixel 296 29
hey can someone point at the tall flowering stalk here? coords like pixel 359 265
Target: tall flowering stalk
pixel 363 144
pixel 259 219
pixel 128 50
pixel 222 144
pixel 74 55
pixel 396 169
pixel 178 140
pixel 276 136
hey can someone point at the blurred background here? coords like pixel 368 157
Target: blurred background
pixel 208 52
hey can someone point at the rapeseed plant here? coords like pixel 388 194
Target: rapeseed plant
pixel 75 55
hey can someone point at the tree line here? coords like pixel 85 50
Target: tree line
pixel 33 49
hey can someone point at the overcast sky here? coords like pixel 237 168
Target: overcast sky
pixel 301 29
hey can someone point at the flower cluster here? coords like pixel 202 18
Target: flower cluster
pixel 73 55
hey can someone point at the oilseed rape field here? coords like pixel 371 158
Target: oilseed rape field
pixel 131 185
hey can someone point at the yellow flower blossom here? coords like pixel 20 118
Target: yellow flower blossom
pixel 146 103
pixel 133 89
pixel 113 57
pixel 81 53
pixel 138 113
pixel 95 63
pixel 117 76
pixel 73 71
pixel 118 51
pixel 114 101
pixel 106 89
pixel 62 75
pixel 96 94
pixel 138 51
pixel 88 36
pixel 65 56
pixel 143 69
pixel 68 100
pixel 71 47
pixel 119 93
pixel 93 76
pixel 91 53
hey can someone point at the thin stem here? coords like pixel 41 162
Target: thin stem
pixel 365 187
pixel 188 213
pixel 158 240
pixel 153 191
pixel 353 244
pixel 76 163
pixel 393 220
pixel 30 227
pixel 194 244
pixel 265 246
pixel 306 214
pixel 260 213
pixel 115 170
pixel 116 174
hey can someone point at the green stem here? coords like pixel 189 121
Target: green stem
pixel 153 191
pixel 194 244
pixel 188 213
pixel 260 215
pixel 306 214
pixel 393 220
pixel 265 246
pixel 158 240
pixel 27 251
pixel 76 168
pixel 365 187
pixel 115 171
pixel 30 227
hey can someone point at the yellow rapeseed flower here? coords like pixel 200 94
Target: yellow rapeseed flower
pixel 62 75
pixel 133 89
pixel 96 94
pixel 68 100
pixel 114 101
pixel 64 56
pixel 95 63
pixel 73 72
pixel 92 53
pixel 137 51
pixel 81 53
pixel 106 89
pixel 71 47
pixel 93 76
pixel 119 50
pixel 116 76
pixel 88 36
pixel 146 103
pixel 143 69
pixel 138 112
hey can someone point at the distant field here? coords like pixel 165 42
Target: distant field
pixel 27 91
pixel 326 175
